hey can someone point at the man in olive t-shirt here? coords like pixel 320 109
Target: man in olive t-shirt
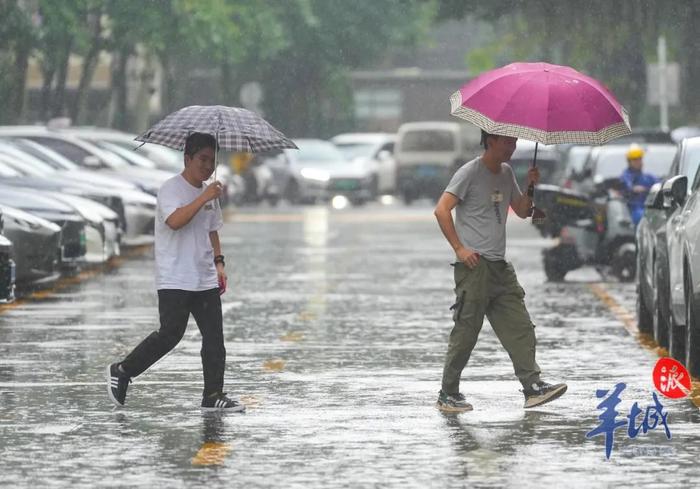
pixel 481 192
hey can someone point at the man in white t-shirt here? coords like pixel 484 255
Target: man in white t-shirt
pixel 190 276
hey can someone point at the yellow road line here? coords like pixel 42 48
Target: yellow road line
pixel 211 453
pixel 629 321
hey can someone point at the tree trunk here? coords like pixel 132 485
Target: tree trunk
pixel 48 70
pixel 119 90
pixel 18 90
pixel 88 70
pixel 59 98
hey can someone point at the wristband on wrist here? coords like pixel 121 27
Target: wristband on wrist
pixel 219 259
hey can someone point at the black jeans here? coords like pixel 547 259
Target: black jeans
pixel 175 307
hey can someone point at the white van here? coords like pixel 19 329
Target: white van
pixel 428 153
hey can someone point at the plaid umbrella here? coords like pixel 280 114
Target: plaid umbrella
pixel 235 129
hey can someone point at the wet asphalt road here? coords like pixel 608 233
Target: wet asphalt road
pixel 336 325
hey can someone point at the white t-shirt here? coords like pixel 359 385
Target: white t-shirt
pixel 185 258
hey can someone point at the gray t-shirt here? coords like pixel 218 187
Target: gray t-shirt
pixel 484 199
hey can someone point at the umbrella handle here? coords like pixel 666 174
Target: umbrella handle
pixel 538 217
pixel 531 187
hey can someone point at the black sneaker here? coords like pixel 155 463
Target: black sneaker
pixel 221 401
pixel 117 384
pixel 453 403
pixel 541 392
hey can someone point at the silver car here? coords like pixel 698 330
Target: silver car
pixel 683 231
pixel 319 171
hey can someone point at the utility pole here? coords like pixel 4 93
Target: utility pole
pixel 663 89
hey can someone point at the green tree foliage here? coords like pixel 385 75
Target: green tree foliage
pixel 301 51
pixel 611 41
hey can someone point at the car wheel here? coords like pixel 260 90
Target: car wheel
pixel 676 339
pixel 645 319
pixel 692 345
pixel 374 186
pixel 292 193
pixel 554 269
pixel 624 264
pixel 660 324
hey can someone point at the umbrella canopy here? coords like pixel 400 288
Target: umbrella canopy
pixel 541 102
pixel 235 129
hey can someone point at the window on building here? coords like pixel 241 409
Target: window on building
pixel 378 103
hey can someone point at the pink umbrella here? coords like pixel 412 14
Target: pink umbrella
pixel 541 102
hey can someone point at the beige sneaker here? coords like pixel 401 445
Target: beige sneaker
pixel 542 392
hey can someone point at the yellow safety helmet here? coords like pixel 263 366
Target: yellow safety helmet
pixel 635 152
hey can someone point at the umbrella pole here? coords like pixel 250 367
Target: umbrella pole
pixel 538 216
pixel 216 154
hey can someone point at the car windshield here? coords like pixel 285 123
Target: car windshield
pixel 318 152
pixel 657 161
pixel 576 158
pixel 356 150
pixel 6 171
pixel 129 155
pixel 24 162
pixel 435 140
pixel 691 162
pixel 521 166
pixel 47 155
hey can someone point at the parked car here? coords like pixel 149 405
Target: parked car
pixel 605 165
pixel 150 155
pixel 43 168
pixel 103 226
pixel 102 234
pixel 8 272
pixel 652 267
pixel 269 170
pixel 36 246
pixel 573 159
pixel 428 153
pixel 548 162
pixel 653 308
pixel 72 244
pixel 319 171
pixel 683 231
pixel 89 156
pixel 683 132
pixel 643 135
pixel 375 150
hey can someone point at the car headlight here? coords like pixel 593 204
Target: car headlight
pixel 315 174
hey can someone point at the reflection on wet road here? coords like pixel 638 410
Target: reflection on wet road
pixel 336 325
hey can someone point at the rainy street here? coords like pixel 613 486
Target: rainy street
pixel 336 325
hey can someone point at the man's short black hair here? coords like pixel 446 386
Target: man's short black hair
pixel 197 141
pixel 484 136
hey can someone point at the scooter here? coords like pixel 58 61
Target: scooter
pixel 590 231
pixel 260 184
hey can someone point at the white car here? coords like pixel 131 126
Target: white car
pixel 374 150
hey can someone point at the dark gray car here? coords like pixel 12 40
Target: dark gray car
pixel 7 268
pixel 72 245
pixel 36 246
pixel 653 300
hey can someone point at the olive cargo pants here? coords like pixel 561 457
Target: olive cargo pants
pixel 490 289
